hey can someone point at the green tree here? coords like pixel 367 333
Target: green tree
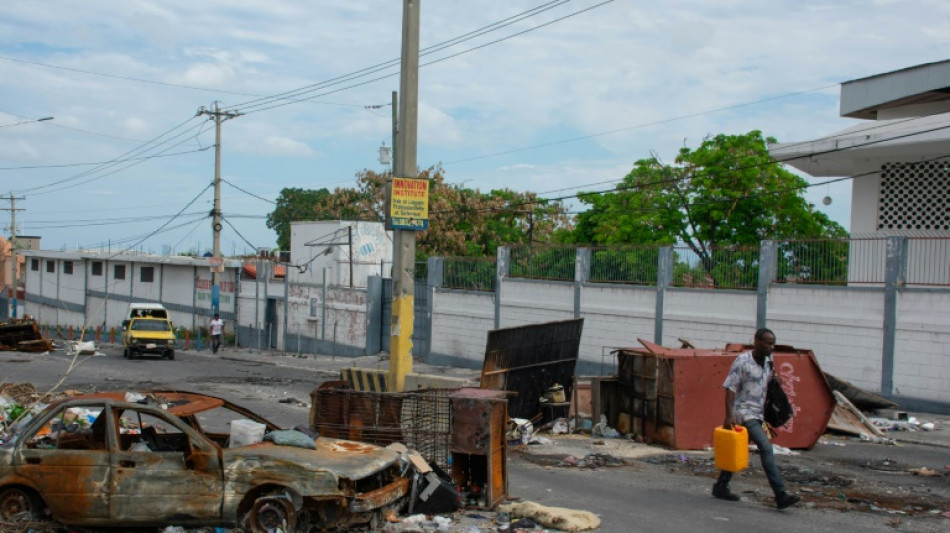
pixel 727 192
pixel 462 221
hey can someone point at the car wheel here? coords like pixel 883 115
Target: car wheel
pixel 125 353
pixel 20 505
pixel 170 355
pixel 270 513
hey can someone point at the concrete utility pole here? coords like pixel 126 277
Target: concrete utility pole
pixel 13 267
pixel 219 117
pixel 404 241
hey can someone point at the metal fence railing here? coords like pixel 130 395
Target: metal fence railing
pixel 855 261
pixel 469 273
pixel 543 261
pixel 928 261
pixel 631 265
pixel 716 268
pixel 832 261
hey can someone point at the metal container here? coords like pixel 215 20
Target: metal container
pixel 674 396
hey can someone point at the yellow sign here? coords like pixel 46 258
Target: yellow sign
pixel 410 204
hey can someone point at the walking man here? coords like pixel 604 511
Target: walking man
pixel 217 326
pixel 746 386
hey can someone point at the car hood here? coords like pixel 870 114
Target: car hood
pixel 343 458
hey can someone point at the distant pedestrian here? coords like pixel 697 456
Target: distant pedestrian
pixel 746 386
pixel 217 327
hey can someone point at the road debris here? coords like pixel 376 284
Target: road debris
pixel 554 517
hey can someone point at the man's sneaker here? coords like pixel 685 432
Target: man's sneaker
pixel 723 493
pixel 785 499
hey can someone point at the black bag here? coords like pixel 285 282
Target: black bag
pixel 778 410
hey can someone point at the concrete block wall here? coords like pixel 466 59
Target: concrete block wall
pixel 708 318
pixel 460 325
pixel 532 302
pixel 922 354
pixel 843 326
pixel 614 317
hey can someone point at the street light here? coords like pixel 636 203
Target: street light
pixel 26 122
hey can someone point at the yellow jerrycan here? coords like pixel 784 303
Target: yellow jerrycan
pixel 731 448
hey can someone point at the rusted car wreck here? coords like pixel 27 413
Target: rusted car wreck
pixel 164 458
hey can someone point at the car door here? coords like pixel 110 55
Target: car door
pixel 68 462
pixel 164 471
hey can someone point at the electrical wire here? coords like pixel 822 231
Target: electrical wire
pixel 279 101
pixel 145 158
pixel 228 222
pixel 160 228
pixel 249 193
pixel 116 161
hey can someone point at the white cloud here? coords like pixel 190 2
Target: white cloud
pixel 620 80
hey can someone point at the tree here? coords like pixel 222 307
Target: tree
pixel 462 221
pixel 727 192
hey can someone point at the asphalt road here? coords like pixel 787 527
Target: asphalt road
pixel 653 496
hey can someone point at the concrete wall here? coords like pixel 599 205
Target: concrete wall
pixel 922 361
pixel 307 322
pixel 842 325
pixel 460 324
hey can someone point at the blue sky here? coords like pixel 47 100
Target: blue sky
pixel 557 104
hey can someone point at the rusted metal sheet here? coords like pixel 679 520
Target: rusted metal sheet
pixel 381 497
pixel 674 396
pixel 418 419
pixel 24 336
pixel 527 360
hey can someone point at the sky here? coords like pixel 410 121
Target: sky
pixel 551 97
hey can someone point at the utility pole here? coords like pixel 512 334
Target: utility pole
pixel 219 117
pixel 404 166
pixel 14 277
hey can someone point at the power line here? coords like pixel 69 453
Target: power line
pixel 145 158
pixel 172 219
pixel 272 103
pixel 249 193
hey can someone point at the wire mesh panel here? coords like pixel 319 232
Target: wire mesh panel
pixel 813 261
pixel 421 420
pixel 543 262
pixel 716 268
pixel 470 273
pixel 624 265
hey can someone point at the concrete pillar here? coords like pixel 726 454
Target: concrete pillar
pixel 435 276
pixel 374 314
pixel 894 277
pixel 664 279
pixel 768 264
pixel 502 266
pixel 581 275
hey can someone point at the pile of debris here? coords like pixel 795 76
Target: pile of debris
pixel 23 336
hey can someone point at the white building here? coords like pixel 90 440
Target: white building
pixel 899 161
pixel 90 289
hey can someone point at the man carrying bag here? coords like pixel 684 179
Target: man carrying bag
pixel 746 387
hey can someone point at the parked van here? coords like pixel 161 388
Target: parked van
pixel 144 310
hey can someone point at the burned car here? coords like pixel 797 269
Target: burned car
pixel 167 457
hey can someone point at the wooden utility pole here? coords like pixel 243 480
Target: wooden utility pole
pixel 219 117
pixel 14 274
pixel 404 241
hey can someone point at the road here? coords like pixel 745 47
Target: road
pixel 657 495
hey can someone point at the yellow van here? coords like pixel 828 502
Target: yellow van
pixel 148 335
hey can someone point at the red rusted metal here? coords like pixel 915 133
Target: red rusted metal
pixel 374 499
pixel 674 396
pixel 187 339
